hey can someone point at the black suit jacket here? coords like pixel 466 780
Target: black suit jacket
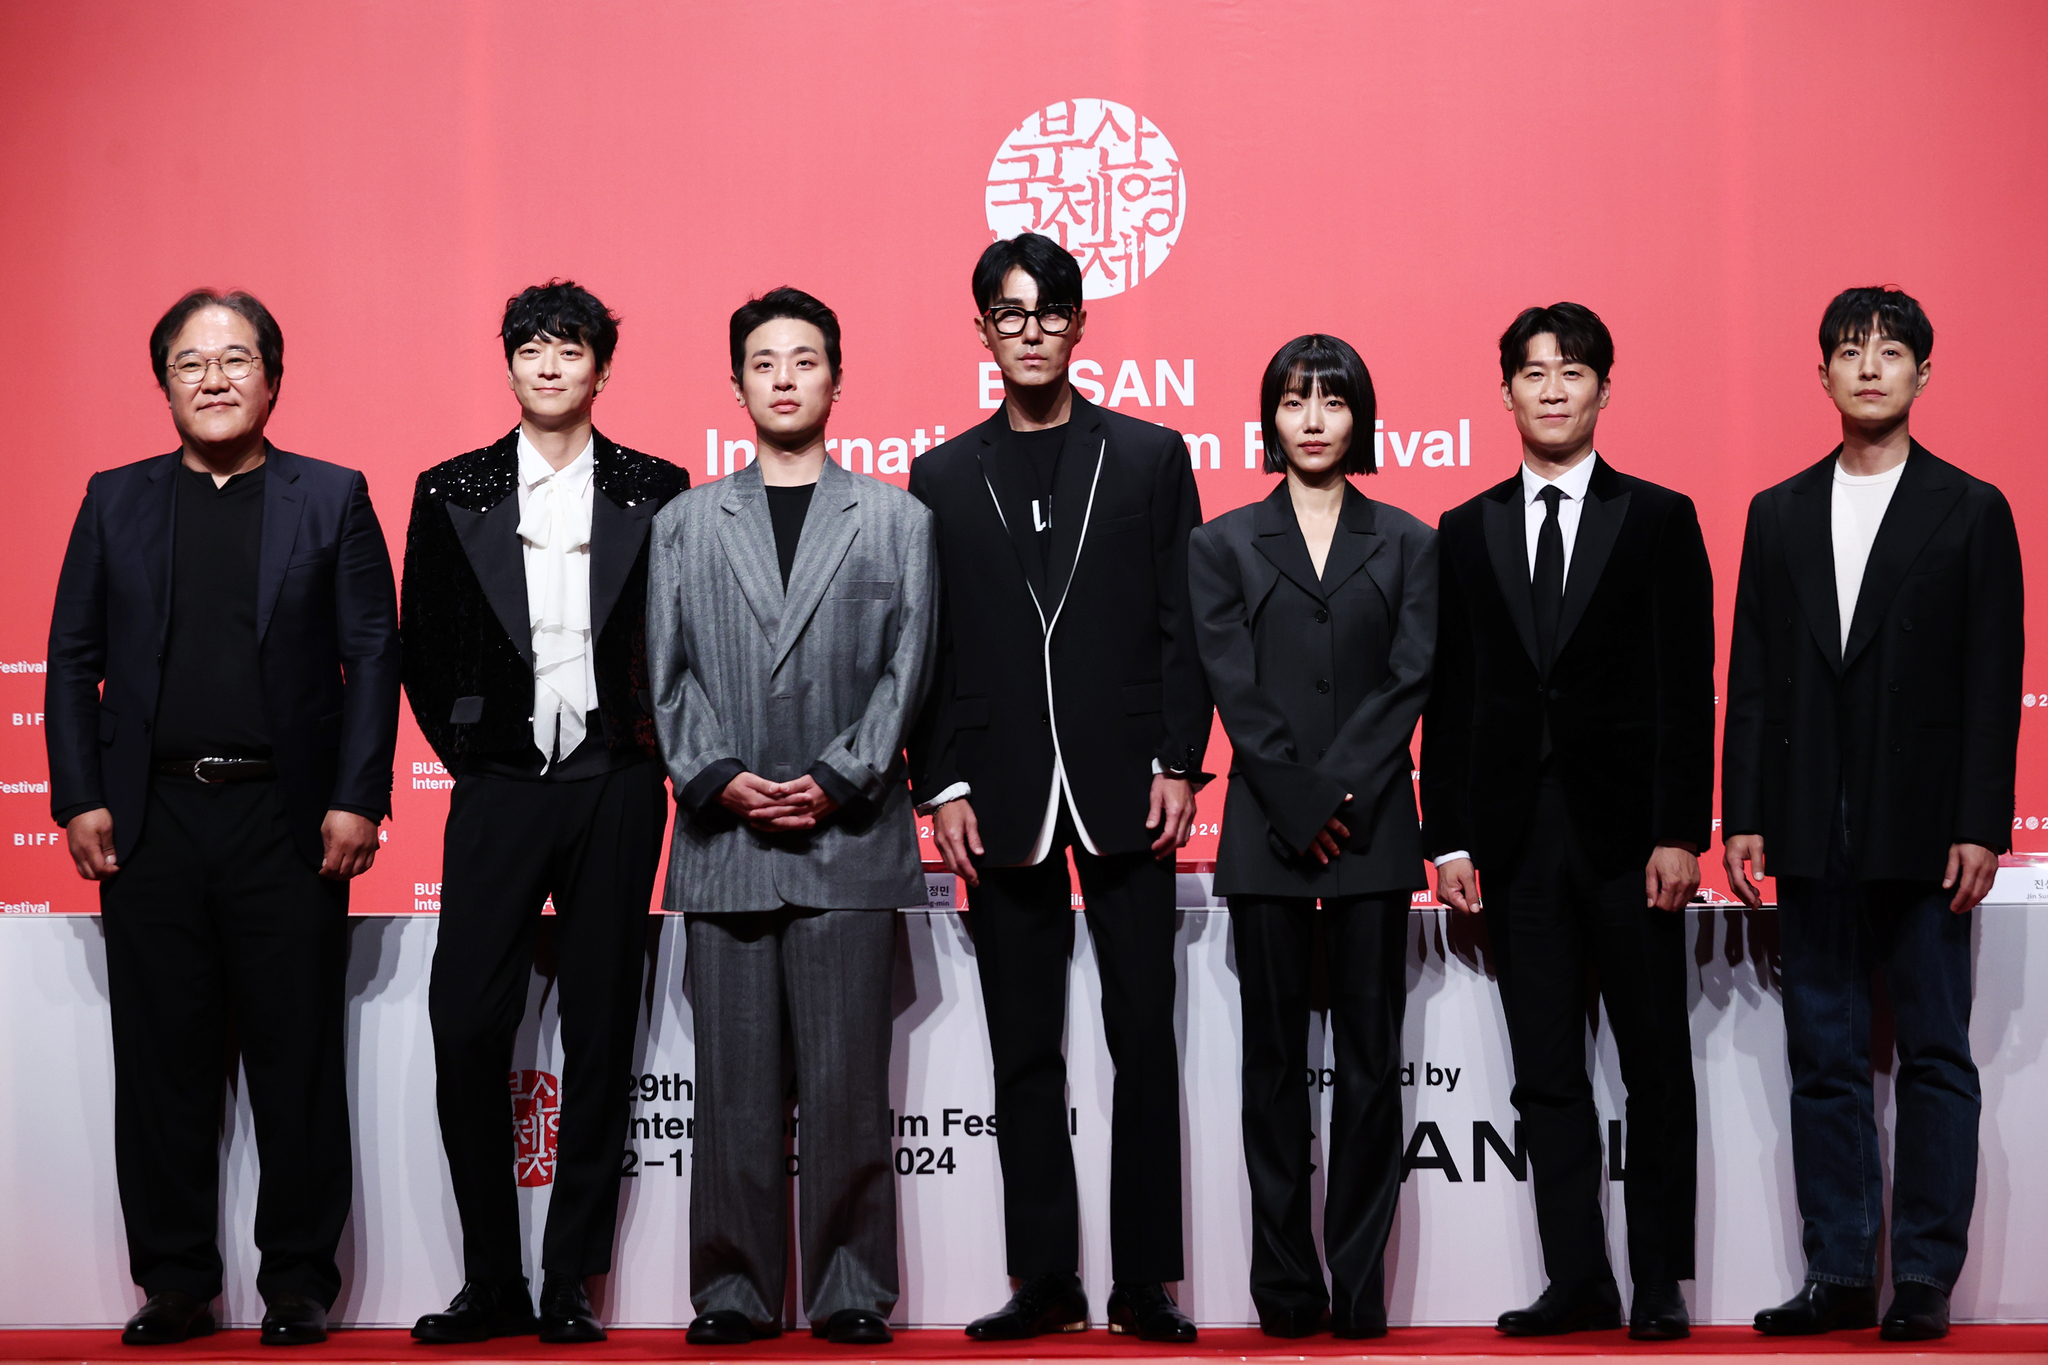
pixel 1918 719
pixel 467 633
pixel 1095 653
pixel 1629 698
pixel 1320 682
pixel 326 626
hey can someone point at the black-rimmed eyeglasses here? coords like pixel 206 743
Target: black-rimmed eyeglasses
pixel 1011 322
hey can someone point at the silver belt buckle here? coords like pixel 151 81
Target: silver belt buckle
pixel 199 774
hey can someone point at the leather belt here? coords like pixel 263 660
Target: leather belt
pixel 214 770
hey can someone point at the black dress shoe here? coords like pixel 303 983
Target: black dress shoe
pixel 1146 1312
pixel 168 1318
pixel 1588 1306
pixel 1301 1321
pixel 1821 1307
pixel 1052 1302
pixel 1918 1312
pixel 565 1313
pixel 481 1309
pixel 294 1320
pixel 1360 1329
pixel 1658 1313
pixel 728 1327
pixel 854 1327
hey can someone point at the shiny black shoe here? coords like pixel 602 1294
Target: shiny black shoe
pixel 1658 1313
pixel 1362 1329
pixel 1052 1302
pixel 1589 1306
pixel 565 1313
pixel 727 1327
pixel 1821 1307
pixel 294 1320
pixel 1302 1321
pixel 481 1309
pixel 1918 1312
pixel 168 1318
pixel 854 1327
pixel 1148 1313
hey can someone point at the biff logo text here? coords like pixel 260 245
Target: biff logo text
pixel 1100 179
pixel 536 1122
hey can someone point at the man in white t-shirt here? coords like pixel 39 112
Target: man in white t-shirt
pixel 1873 719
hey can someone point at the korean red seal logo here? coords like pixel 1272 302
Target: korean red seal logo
pixel 536 1121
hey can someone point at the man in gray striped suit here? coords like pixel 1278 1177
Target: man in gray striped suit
pixel 791 628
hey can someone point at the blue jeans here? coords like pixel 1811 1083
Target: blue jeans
pixel 1835 933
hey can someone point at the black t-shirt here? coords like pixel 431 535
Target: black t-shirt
pixel 211 705
pixel 1040 453
pixel 787 508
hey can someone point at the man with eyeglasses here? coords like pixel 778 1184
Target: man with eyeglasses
pixel 221 714
pixel 1069 713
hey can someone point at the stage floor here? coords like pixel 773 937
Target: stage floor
pixel 1978 1344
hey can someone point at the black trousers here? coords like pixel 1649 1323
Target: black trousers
pixel 593 844
pixel 1365 950
pixel 217 928
pixel 1022 921
pixel 1553 917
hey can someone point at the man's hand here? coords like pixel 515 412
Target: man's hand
pixel 1172 814
pixel 768 806
pixel 1971 870
pixel 957 833
pixel 90 838
pixel 1672 875
pixel 350 841
pixel 1457 885
pixel 809 798
pixel 1743 856
pixel 1329 840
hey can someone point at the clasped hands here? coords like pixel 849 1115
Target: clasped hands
pixel 777 807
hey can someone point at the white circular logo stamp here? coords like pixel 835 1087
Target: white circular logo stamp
pixel 1100 179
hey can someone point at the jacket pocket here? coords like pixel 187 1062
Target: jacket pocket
pixel 864 589
pixel 466 711
pixel 1142 699
pixel 327 727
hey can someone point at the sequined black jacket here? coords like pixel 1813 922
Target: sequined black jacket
pixel 463 623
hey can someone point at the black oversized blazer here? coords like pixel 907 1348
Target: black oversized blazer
pixel 326 633
pixel 1917 721
pixel 463 614
pixel 1319 681
pixel 1629 697
pixel 1097 654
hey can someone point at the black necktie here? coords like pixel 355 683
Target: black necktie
pixel 1546 585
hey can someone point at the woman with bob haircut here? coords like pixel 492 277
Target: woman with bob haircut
pixel 1315 614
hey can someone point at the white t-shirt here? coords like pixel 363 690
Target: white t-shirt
pixel 1854 513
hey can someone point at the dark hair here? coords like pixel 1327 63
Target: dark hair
pixel 1884 309
pixel 784 303
pixel 1302 366
pixel 1581 338
pixel 269 339
pixel 1044 260
pixel 564 310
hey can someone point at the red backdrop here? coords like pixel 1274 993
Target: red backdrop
pixel 1705 175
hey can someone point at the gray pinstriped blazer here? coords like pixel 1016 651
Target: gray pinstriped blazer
pixel 832 671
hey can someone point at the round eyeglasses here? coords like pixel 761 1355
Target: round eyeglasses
pixel 236 368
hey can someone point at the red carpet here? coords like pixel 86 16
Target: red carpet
pixel 1980 1345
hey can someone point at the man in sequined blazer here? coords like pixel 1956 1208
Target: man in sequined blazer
pixel 523 620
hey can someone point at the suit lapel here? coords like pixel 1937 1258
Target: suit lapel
pixel 1507 545
pixel 1804 531
pixel 1073 496
pixel 283 505
pixel 1276 533
pixel 830 525
pixel 748 539
pixel 1599 526
pixel 490 541
pixel 616 535
pixel 1926 494
pixel 153 538
pixel 1356 543
pixel 1003 473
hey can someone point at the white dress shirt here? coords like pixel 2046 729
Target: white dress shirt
pixel 554 537
pixel 1572 483
pixel 1855 509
